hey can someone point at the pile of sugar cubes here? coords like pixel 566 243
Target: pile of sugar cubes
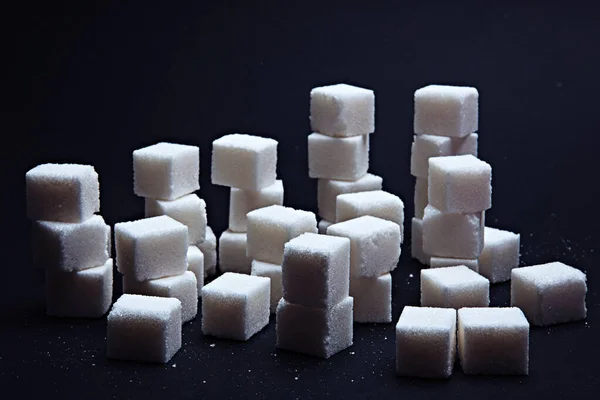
pixel 70 241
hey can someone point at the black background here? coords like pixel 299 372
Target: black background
pixel 91 82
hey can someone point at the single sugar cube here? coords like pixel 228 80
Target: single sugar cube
pixel 144 328
pixel 441 262
pixel 446 110
pixel 236 306
pixel 344 159
pixel 374 246
pixel 318 332
pixel 423 148
pixel 195 259
pixel 232 253
pixel 209 250
pixel 323 225
pixel 465 145
pixel 372 299
pixel 190 210
pixel 426 342
pixel 273 272
pixel 421 197
pixel 269 228
pixel 328 191
pixel 416 246
pixel 453 235
pixel 151 248
pixel 62 192
pixel 454 287
pixel 493 341
pixel 241 202
pixel 549 294
pixel 80 294
pixel 460 184
pixel 244 161
pixel 166 171
pixel 315 270
pixel 501 252
pixel 342 110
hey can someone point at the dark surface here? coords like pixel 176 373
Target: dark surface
pixel 90 84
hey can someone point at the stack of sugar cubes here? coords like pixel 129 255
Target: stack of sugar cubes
pixel 70 241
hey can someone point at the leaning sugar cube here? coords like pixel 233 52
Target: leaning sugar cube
pixel 493 341
pixel 166 171
pixel 441 262
pixel 273 272
pixel 315 270
pixel 241 202
pixel 465 145
pixel 453 235
pixel 190 210
pixel 421 197
pixel 426 342
pixel 62 192
pixel 144 328
pixel 423 148
pixel 372 299
pixel 342 110
pixel 195 259
pixel 328 190
pixel 235 306
pixel 209 250
pixel 232 253
pixel 454 287
pixel 550 293
pixel 244 161
pixel 151 248
pixel 500 254
pixel 416 246
pixel 323 225
pixel 338 158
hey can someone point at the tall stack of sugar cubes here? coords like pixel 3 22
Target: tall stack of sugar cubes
pixel 351 202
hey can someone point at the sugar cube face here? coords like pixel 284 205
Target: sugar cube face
pixel 183 287
pixel 342 110
pixel 317 332
pixel 493 341
pixel 273 272
pixel 423 148
pixel 241 202
pixel 426 342
pixel 68 246
pixel 195 259
pixel 315 270
pixel 190 210
pixel 421 197
pixel 465 145
pixel 460 184
pixel 501 252
pixel 328 190
pixel 144 328
pixel 166 171
pixel 151 248
pixel 232 253
pixel 236 306
pixel 80 294
pixel 209 250
pixel 244 161
pixel 446 110
pixel 62 192
pixel 344 159
pixel 550 293
pixel 374 248
pixel 372 299
pixel 323 225
pixel 454 287
pixel 269 228
pixel 416 246
pixel 441 262
pixel 453 235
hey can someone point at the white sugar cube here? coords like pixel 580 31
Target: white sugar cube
pixel 269 228
pixel 549 294
pixel 460 184
pixel 244 161
pixel 315 270
pixel 151 248
pixel 446 110
pixel 416 246
pixel 493 341
pixel 195 259
pixel 236 306
pixel 344 159
pixel 232 253
pixel 241 202
pixel 80 294
pixel 465 145
pixel 421 197
pixel 273 272
pixel 62 192
pixel 372 299
pixel 317 332
pixel 423 148
pixel 323 225
pixel 441 262
pixel 454 287
pixel 342 110
pixel 328 190
pixel 166 170
pixel 426 342
pixel 144 328
pixel 374 248
pixel 453 235
pixel 209 250
pixel 501 252
pixel 190 210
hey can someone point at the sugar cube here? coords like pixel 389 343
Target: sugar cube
pixel 273 272
pixel 372 299
pixel 209 250
pixel 328 190
pixel 441 262
pixel 549 294
pixel 189 209
pixel 465 145
pixel 232 253
pixel 195 259
pixel 344 159
pixel 416 246
pixel 454 287
pixel 421 197
pixel 423 148
pixel 241 202
pixel 453 235
pixel 500 254
pixel 323 225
